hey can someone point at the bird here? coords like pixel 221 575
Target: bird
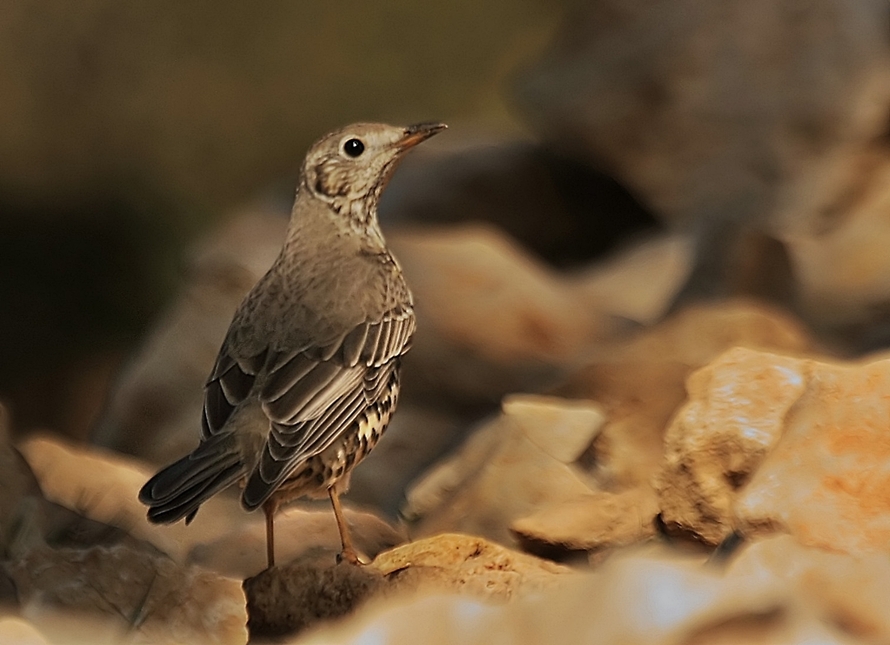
pixel 307 377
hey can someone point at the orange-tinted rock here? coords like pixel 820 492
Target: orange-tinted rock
pixel 827 481
pixel 468 565
pixel 641 383
pixel 774 443
pixel 735 414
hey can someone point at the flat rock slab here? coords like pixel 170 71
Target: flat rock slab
pixel 103 486
pixel 146 595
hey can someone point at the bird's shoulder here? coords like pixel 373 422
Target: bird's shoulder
pixel 315 308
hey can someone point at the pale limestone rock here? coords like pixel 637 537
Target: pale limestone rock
pixel 640 281
pixel 468 565
pixel 161 601
pixel 290 598
pixel 561 428
pixel 827 482
pixel 640 382
pixel 852 591
pixel 734 416
pixel 500 474
pixel 15 631
pixel 596 521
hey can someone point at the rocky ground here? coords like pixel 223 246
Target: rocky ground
pixel 683 441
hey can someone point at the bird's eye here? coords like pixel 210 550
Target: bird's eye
pixel 353 147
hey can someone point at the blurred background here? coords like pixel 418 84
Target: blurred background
pixel 132 129
pixel 149 151
pixel 642 209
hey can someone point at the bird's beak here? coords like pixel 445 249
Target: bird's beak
pixel 414 134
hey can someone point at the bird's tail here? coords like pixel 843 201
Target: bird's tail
pixel 178 490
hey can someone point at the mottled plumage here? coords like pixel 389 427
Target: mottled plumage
pixel 307 377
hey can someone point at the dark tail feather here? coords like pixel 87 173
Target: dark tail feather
pixel 178 490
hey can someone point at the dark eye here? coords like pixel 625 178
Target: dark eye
pixel 353 147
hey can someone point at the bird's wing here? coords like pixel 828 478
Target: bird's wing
pixel 229 384
pixel 312 395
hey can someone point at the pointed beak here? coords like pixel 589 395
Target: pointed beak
pixel 417 133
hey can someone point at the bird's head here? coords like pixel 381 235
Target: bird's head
pixel 350 167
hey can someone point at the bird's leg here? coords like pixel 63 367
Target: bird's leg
pixel 349 553
pixel 269 508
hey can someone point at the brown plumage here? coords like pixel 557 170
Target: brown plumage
pixel 307 377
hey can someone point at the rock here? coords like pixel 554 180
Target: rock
pixel 148 593
pixel 466 564
pixel 563 429
pixel 827 481
pixel 596 521
pixel 501 473
pixel 155 407
pixel 640 382
pixel 639 282
pixel 287 600
pixel 491 319
pixel 772 443
pixel 850 592
pixel 734 416
pixel 104 487
pixel 683 101
pixel 16 631
pixel 642 597
pixel 844 275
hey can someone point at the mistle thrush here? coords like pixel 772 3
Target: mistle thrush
pixel 307 377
